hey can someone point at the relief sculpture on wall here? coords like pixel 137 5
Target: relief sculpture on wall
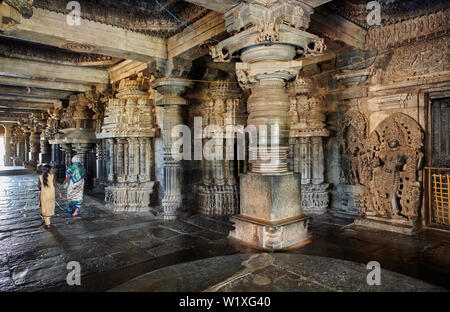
pixel 352 133
pixel 395 153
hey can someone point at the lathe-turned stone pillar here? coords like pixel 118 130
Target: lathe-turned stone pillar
pixel 128 131
pixel 307 131
pixel 271 214
pixel 100 156
pixel 27 146
pixel 218 192
pixel 171 89
pixel 35 147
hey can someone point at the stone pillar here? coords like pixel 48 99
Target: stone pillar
pixel 218 192
pixel 128 128
pixel 100 161
pixel 9 150
pixel 171 89
pixel 68 154
pixel 307 130
pixel 111 160
pixel 27 147
pixel 271 214
pixel 35 146
pixel 46 155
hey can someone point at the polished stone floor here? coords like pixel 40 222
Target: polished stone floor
pixel 112 248
pixel 272 273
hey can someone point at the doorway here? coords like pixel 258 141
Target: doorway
pixel 438 164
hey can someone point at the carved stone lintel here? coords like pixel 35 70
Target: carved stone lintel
pixel 396 34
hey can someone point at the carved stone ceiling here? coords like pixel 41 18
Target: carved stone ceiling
pixel 146 17
pixel 392 11
pixel 42 53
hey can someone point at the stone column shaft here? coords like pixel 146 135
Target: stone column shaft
pixel 171 88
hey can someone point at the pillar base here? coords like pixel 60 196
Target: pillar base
pixel 349 200
pixel 271 212
pixel 127 198
pixel 271 236
pixel 401 226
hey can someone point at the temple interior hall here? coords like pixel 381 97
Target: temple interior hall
pixel 235 145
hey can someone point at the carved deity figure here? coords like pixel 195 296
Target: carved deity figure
pixel 353 136
pixel 395 159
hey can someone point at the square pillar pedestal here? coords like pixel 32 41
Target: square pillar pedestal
pixel 271 214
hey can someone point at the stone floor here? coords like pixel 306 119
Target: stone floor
pixel 115 248
pixel 271 273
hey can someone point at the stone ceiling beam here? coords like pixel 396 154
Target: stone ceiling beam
pixel 24 105
pixel 126 69
pixel 43 84
pixel 52 29
pixel 30 69
pixel 187 44
pixel 34 92
pixel 25 99
pixel 327 24
pixel 317 59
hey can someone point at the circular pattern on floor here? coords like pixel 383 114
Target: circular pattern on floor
pixel 270 272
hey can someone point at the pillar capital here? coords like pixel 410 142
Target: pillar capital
pixel 174 67
pixel 262 23
pixel 171 89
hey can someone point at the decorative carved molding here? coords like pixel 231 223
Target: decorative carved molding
pixel 412 61
pixel 30 51
pixel 417 29
pixel 139 16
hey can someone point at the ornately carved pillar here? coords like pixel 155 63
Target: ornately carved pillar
pixel 171 88
pixel 307 131
pixel 271 214
pixel 128 131
pixel 218 194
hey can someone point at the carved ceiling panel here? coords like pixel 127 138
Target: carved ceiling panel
pixel 392 11
pixel 141 16
pixel 42 53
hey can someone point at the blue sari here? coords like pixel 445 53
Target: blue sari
pixel 75 191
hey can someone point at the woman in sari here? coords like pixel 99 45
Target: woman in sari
pixel 75 177
pixel 47 186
